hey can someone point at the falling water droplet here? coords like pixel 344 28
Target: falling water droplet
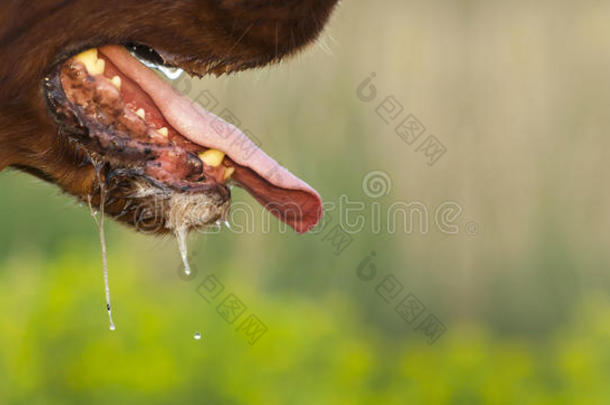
pixel 197 336
pixel 181 237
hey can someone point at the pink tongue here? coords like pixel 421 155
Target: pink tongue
pixel 286 196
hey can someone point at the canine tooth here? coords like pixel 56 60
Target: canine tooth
pixel 141 113
pixel 212 157
pixel 89 59
pixel 163 131
pixel 116 80
pixel 229 172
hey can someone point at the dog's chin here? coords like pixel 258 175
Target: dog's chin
pixel 153 209
pixel 147 205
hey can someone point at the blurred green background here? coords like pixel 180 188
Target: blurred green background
pixel 517 92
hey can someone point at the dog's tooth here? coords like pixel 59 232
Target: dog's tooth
pixel 116 80
pixel 229 172
pixel 163 131
pixel 141 113
pixel 212 157
pixel 89 59
pixel 100 67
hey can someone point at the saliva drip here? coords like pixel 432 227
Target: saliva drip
pixel 102 235
pixel 182 246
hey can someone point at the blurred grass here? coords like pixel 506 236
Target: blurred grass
pixel 517 92
pixel 55 347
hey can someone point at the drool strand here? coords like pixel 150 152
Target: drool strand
pixel 102 235
pixel 180 233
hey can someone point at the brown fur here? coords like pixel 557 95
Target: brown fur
pixel 205 36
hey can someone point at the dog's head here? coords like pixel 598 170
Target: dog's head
pixel 79 108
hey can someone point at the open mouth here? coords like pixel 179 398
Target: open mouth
pixel 155 143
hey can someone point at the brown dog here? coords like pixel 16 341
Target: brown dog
pixel 106 129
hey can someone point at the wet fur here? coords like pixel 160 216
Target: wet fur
pixel 205 36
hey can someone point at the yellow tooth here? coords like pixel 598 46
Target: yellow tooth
pixel 212 157
pixel 116 80
pixel 100 66
pixel 141 113
pixel 229 172
pixel 163 131
pixel 88 58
